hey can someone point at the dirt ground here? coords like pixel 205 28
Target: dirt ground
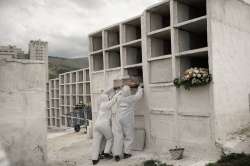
pixel 67 148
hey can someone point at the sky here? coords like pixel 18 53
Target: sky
pixel 65 24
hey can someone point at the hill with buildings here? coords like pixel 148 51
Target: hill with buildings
pixel 59 65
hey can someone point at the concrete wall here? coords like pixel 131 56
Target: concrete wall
pixel 216 36
pixel 64 93
pixel 230 47
pixel 22 113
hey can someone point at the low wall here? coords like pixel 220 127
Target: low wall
pixel 22 111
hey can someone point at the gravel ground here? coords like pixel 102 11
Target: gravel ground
pixel 67 148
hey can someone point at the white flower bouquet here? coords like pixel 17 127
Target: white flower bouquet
pixel 193 77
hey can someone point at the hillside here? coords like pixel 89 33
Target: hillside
pixel 59 65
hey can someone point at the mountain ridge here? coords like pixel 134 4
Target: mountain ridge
pixel 58 65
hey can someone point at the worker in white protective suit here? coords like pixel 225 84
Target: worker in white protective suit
pixel 102 128
pixel 125 123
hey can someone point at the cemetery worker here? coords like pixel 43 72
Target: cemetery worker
pixel 102 128
pixel 124 133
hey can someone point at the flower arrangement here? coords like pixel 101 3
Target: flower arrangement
pixel 193 77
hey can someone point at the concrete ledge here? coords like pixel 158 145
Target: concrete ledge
pixel 24 61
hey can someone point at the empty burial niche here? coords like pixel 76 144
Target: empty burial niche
pixel 57 113
pixel 193 61
pixel 53 112
pixel 74 100
pixel 160 46
pixel 62 100
pixel 193 35
pixel 88 100
pixel 80 76
pixel 57 93
pixel 58 123
pixel 133 55
pixel 68 78
pixel 97 62
pixel 133 30
pixel 113 36
pixel 52 84
pixel 69 121
pixel 68 109
pixel 63 121
pixel 87 75
pixel 57 83
pixel 74 77
pixel 62 89
pixel 88 88
pixel 190 9
pixel 135 73
pixel 62 109
pixel 73 88
pixel 68 100
pixel 80 88
pixel 53 121
pixel 67 89
pixel 113 59
pixel 61 78
pixel 96 41
pixel 52 94
pixel 159 16
pixel 80 99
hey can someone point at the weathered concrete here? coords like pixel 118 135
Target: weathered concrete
pixel 177 35
pixel 230 46
pixel 22 113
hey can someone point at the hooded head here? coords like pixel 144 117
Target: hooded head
pixel 126 91
pixel 102 98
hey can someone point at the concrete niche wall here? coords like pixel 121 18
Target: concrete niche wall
pixel 23 111
pixel 177 35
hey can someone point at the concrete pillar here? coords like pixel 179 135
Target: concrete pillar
pixel 23 111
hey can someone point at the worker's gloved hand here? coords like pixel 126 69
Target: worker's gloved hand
pixel 141 85
pixel 119 92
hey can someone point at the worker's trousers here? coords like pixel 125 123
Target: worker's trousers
pixel 123 136
pixel 101 131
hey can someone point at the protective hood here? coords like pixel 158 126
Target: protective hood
pixel 126 91
pixel 103 98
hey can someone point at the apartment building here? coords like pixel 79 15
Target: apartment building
pixel 64 93
pixel 38 50
pixel 157 47
pixel 12 52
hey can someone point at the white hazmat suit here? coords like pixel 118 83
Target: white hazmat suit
pixel 102 127
pixel 125 123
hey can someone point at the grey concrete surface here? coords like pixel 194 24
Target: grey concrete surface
pixel 22 111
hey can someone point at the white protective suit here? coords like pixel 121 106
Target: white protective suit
pixel 102 127
pixel 125 123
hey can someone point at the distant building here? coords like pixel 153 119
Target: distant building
pixel 13 52
pixel 38 50
pixel 64 93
